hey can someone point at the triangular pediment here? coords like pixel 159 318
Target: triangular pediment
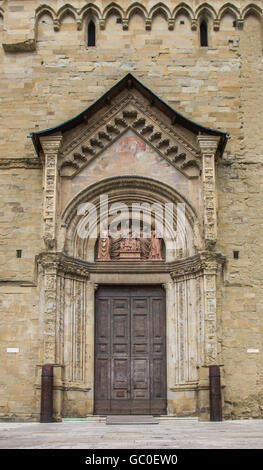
pixel 129 105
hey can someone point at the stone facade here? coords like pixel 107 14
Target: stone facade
pixel 48 75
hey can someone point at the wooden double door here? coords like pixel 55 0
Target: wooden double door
pixel 130 350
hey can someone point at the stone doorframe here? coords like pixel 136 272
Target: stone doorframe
pixel 68 334
pixel 68 290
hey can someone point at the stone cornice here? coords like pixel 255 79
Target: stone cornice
pixel 204 262
pixel 28 163
pixel 63 265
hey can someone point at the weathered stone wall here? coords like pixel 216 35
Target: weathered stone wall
pixel 54 76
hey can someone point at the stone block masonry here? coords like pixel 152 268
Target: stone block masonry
pixel 48 74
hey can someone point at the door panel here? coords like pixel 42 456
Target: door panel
pixel 130 350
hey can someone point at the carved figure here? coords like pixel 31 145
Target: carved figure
pixel 156 247
pixel 104 245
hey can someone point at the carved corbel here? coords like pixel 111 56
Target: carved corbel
pixel 208 146
pixel 56 24
pixel 102 24
pixel 148 24
pixel 171 23
pixel 216 25
pixel 79 24
pixel 125 24
pixel 50 146
pixel 194 24
pixel 240 23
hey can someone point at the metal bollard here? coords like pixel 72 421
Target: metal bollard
pixel 215 393
pixel 46 414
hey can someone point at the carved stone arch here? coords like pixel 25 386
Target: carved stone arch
pixel 229 8
pixel 91 8
pixel 205 15
pixel 128 190
pixel 112 8
pixel 183 8
pixel 136 7
pixel 47 10
pixel 67 10
pixel 90 11
pixel 252 9
pixel 205 10
pixel 139 9
pixel 42 9
pixel 160 8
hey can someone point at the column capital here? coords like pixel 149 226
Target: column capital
pixel 51 143
pixel 208 143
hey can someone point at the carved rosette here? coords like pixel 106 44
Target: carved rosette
pixel 50 146
pixel 208 146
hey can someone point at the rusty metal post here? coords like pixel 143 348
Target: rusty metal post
pixel 215 394
pixel 47 394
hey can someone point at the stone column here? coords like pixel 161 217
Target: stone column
pixel 208 146
pixel 50 308
pixel 50 146
pixel 210 354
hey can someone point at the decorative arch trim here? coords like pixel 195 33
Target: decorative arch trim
pixel 183 7
pixel 112 7
pixel 162 8
pixel 229 8
pixel 67 9
pixel 45 9
pixel 252 8
pixel 93 191
pixel 128 190
pixel 205 9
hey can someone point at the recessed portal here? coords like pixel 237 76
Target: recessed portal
pixel 130 350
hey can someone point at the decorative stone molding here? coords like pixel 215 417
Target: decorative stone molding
pixel 103 13
pixel 194 24
pixel 240 23
pixel 171 23
pixel 64 265
pixel 208 146
pixel 63 293
pixel 199 264
pixel 148 24
pixel 125 24
pixel 129 112
pixel 102 24
pixel 203 268
pixel 28 163
pixel 216 24
pixel 56 25
pixel 50 146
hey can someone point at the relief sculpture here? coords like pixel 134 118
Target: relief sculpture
pixel 130 245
